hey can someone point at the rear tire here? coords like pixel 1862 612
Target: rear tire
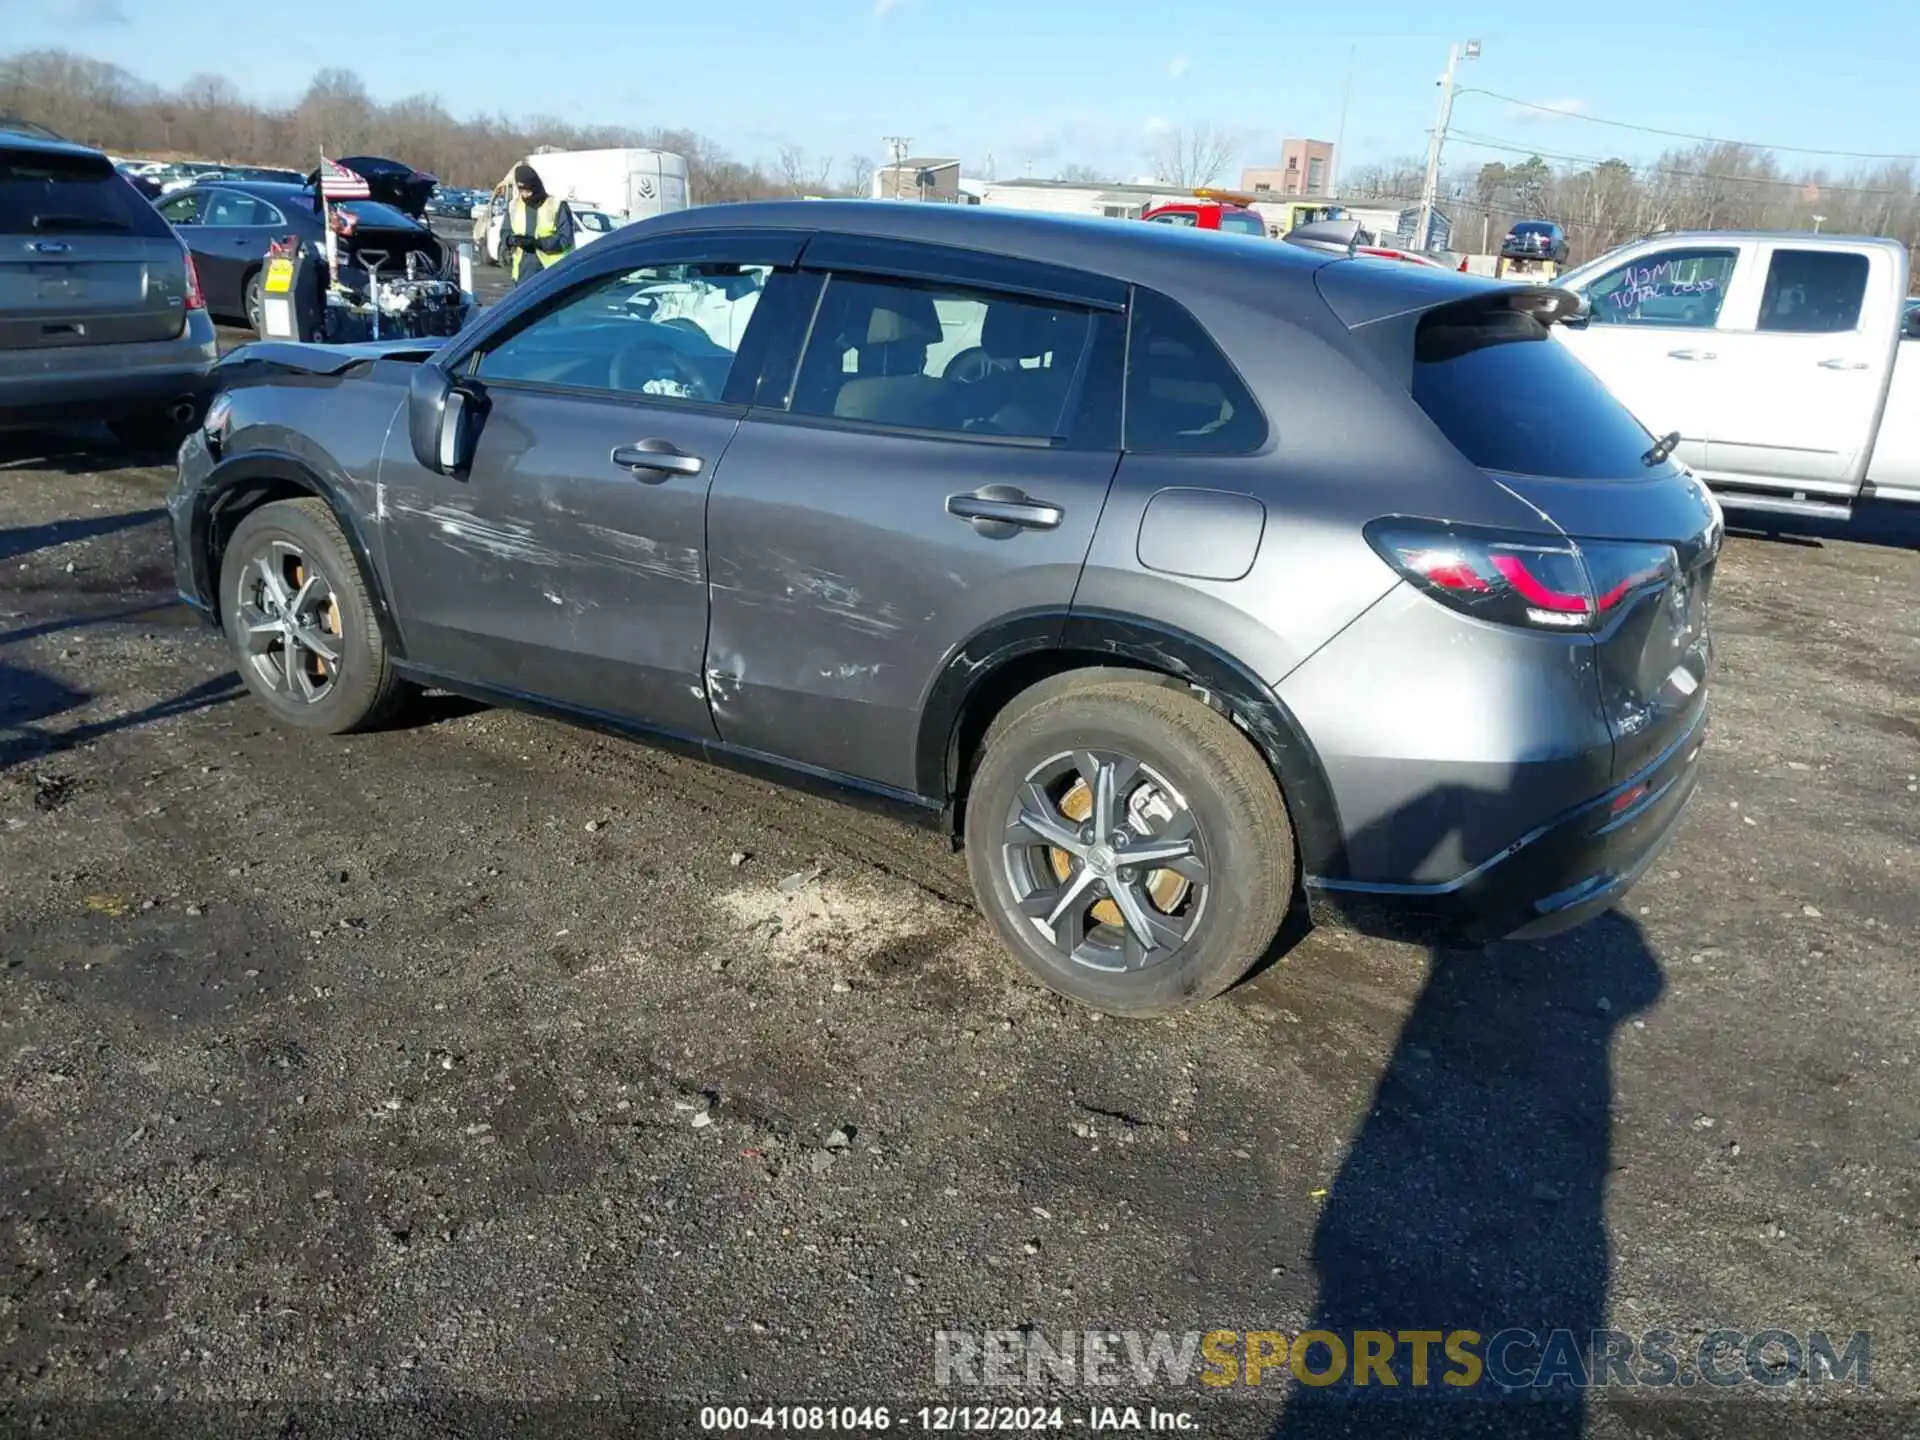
pixel 255 304
pixel 1188 925
pixel 301 622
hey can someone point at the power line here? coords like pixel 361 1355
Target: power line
pixel 1679 134
pixel 1494 143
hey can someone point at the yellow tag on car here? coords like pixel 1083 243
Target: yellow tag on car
pixel 279 276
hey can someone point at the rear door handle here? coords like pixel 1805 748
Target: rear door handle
pixel 659 456
pixel 1692 355
pixel 1003 505
pixel 1838 364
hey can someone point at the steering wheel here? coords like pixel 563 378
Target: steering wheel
pixel 637 364
pixel 970 366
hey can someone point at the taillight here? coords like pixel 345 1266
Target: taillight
pixel 196 300
pixel 1538 581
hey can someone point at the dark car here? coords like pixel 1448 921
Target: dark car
pixel 230 224
pixel 101 317
pixel 1535 240
pixel 393 182
pixel 1179 576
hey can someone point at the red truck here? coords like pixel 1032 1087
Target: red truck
pixel 1202 213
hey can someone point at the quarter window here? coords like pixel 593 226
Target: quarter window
pixel 1680 289
pixel 1813 291
pixel 667 330
pixel 930 357
pixel 1183 396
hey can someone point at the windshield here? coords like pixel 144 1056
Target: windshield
pixel 62 194
pixel 1242 223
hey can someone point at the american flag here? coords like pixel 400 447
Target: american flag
pixel 339 183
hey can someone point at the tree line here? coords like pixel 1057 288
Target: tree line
pixel 1709 186
pixel 208 118
pixel 1599 203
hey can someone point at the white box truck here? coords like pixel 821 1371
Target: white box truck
pixel 628 185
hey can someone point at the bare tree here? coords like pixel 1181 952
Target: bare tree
pixel 860 176
pixel 1189 158
pixel 803 175
pixel 1074 173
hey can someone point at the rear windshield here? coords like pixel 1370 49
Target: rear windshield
pixel 1511 398
pixel 372 212
pixel 43 194
pixel 1242 224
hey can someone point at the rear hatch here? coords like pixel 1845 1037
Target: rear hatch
pixel 1478 360
pixel 84 259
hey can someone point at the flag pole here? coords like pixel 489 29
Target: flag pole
pixel 326 224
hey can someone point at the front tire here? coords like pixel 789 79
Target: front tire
pixel 1129 845
pixel 301 622
pixel 255 303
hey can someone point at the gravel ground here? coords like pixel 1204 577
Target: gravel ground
pixel 486 1060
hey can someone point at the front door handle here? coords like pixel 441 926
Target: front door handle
pixel 659 456
pixel 1838 364
pixel 1692 355
pixel 997 505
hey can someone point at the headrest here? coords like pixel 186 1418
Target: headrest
pixel 903 317
pixel 1018 332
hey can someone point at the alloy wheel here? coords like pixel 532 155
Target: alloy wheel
pixel 290 620
pixel 1106 860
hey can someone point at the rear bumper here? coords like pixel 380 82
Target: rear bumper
pixel 107 382
pixel 1557 876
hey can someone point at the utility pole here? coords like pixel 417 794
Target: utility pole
pixel 1455 53
pixel 1340 135
pixel 899 145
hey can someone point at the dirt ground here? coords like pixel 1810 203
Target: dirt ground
pixel 486 1060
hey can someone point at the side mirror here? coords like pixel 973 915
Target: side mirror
pixel 1581 314
pixel 439 421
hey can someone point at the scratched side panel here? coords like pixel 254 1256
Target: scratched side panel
pixel 841 584
pixel 551 571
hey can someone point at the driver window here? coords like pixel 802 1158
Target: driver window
pixel 1674 289
pixel 666 330
pixel 181 209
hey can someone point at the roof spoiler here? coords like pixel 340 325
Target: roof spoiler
pixel 1347 235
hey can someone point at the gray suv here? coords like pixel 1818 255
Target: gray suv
pixel 100 314
pixel 1182 578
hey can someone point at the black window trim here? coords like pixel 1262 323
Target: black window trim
pixel 523 308
pixel 1104 330
pixel 1011 275
pixel 1266 436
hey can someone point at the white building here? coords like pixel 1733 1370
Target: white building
pixel 1073 197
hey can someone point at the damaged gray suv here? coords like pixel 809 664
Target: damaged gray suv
pixel 1185 579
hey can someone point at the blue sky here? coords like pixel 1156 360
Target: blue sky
pixel 1037 83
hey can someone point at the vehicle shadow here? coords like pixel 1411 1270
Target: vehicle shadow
pixel 1872 523
pixel 1473 1197
pixel 28 699
pixel 25 539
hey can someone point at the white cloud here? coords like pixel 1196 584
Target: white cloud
pixel 1157 125
pixel 1177 66
pixel 883 8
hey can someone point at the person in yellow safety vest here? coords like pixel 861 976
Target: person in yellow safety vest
pixel 539 226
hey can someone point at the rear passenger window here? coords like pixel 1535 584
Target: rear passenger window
pixel 1183 396
pixel 932 357
pixel 1813 291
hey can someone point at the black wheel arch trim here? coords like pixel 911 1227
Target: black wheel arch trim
pixel 1259 713
pixel 234 475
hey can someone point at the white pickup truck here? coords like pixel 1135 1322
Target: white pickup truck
pixel 1787 363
